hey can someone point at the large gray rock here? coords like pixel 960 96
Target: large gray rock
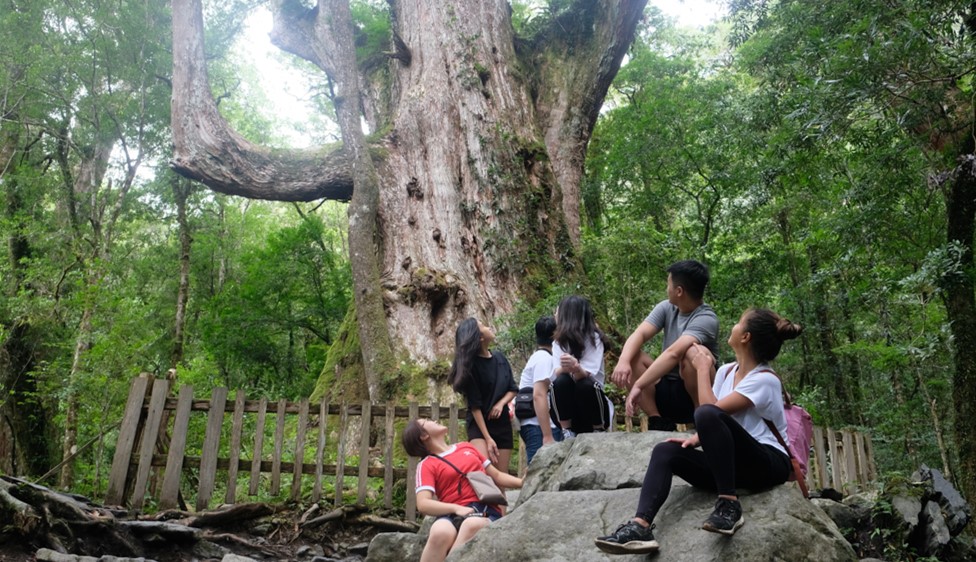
pixel 845 517
pixel 556 526
pixel 396 547
pixel 577 490
pixel 956 511
pixel 935 534
pixel 592 461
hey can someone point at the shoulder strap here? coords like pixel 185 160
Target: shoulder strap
pixel 772 427
pixel 797 473
pixel 450 464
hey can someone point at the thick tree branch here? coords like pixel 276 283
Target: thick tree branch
pixel 293 31
pixel 206 149
pixel 336 36
pixel 577 59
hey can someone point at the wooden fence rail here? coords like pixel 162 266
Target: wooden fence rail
pixel 154 433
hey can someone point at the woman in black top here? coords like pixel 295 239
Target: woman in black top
pixel 485 379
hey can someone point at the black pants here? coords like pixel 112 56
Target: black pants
pixel 582 402
pixel 729 457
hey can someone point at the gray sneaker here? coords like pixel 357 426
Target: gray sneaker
pixel 568 434
pixel 726 518
pixel 629 538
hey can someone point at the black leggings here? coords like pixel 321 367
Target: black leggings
pixel 581 402
pixel 729 457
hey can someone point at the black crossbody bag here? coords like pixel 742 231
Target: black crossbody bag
pixel 524 403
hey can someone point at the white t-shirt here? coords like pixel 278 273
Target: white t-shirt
pixel 538 368
pixel 765 391
pixel 591 362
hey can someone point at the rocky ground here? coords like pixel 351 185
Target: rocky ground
pixel 282 541
pixel 33 518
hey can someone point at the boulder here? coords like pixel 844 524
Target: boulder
pixel 551 526
pixel 397 547
pixel 845 517
pixel 592 461
pixel 577 490
pixel 905 511
pixel 956 511
pixel 935 533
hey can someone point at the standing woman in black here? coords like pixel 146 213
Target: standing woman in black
pixel 485 379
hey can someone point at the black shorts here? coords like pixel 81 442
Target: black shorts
pixel 480 510
pixel 499 429
pixel 673 400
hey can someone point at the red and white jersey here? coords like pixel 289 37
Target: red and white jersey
pixel 437 476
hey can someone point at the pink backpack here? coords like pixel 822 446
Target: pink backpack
pixel 799 432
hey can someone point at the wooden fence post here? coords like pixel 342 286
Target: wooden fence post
pixel 452 423
pixel 296 475
pixel 835 462
pixel 149 434
pixel 279 438
pixel 411 507
pixel 211 446
pixel 126 440
pixel 367 424
pixel 341 458
pixel 389 433
pixel 820 456
pixel 177 446
pixel 258 447
pixel 850 458
pixel 235 448
pixel 320 450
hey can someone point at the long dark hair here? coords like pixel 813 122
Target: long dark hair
pixel 575 325
pixel 769 330
pixel 467 346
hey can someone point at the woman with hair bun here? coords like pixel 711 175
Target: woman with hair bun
pixel 733 447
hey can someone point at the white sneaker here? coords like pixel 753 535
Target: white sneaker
pixel 568 434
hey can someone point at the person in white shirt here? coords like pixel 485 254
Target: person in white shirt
pixel 737 446
pixel 539 431
pixel 577 379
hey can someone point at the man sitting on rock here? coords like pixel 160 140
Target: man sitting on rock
pixel 666 388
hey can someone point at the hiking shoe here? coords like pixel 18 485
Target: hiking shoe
pixel 726 518
pixel 568 434
pixel 629 538
pixel 657 423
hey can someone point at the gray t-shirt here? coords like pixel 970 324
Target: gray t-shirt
pixel 702 323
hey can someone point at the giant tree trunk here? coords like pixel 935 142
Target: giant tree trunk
pixel 961 309
pixel 478 168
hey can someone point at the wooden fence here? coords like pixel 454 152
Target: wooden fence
pixel 151 450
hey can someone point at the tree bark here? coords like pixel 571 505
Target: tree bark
pixel 473 199
pixel 364 235
pixel 961 310
pixel 181 192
